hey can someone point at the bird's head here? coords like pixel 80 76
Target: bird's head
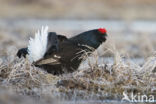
pixel 97 37
pixel 92 38
pixel 101 34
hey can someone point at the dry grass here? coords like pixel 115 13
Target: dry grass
pixel 98 82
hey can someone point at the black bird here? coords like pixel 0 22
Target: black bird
pixel 63 54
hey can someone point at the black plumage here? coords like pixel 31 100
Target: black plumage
pixel 63 55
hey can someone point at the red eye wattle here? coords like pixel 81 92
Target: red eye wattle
pixel 102 30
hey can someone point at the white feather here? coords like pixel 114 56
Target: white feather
pixel 37 46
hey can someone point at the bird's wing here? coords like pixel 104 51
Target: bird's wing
pixel 47 61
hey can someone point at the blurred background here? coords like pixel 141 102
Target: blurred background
pixel 82 9
pixel 131 24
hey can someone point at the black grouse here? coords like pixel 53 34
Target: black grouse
pixel 63 54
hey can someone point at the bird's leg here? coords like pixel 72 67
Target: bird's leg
pixel 22 52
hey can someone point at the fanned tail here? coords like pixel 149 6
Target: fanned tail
pixel 37 46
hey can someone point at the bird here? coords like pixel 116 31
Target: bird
pixel 58 54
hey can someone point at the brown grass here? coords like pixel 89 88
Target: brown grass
pixel 96 82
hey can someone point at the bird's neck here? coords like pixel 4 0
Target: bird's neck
pixel 90 42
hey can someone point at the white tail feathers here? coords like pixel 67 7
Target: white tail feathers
pixel 37 46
